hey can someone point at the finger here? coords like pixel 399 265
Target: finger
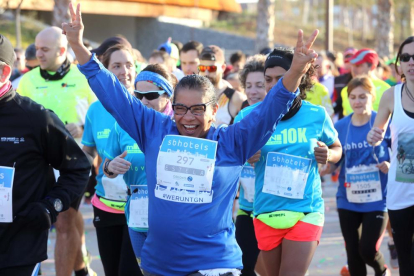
pixel 123 154
pixel 78 13
pixel 299 42
pixel 72 12
pixel 321 144
pixel 312 39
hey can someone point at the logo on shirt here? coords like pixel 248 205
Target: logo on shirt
pixel 134 149
pixel 68 85
pixel 104 134
pixel 14 140
pixel 289 136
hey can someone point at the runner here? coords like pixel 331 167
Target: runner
pixel 32 137
pixel 212 66
pixel 252 79
pixel 114 243
pixel 237 61
pixel 189 56
pixel 289 218
pixel 362 183
pixel 58 85
pixel 191 230
pixel 398 101
pixel 364 62
pixel 122 152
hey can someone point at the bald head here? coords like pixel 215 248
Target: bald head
pixel 51 46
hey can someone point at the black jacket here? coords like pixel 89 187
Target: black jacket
pixel 31 139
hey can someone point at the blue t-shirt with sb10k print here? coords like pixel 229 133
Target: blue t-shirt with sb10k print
pixel 118 142
pixel 358 161
pixel 98 125
pixel 287 176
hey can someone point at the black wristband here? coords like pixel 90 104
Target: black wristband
pixel 106 168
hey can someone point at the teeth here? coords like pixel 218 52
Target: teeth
pixel 187 126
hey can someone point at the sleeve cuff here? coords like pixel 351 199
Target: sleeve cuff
pixel 91 68
pixel 279 86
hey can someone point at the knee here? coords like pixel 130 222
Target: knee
pixel 66 221
pixel 367 253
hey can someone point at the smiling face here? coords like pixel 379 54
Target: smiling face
pixel 407 68
pixel 121 64
pixel 189 124
pixel 255 88
pixel 157 104
pixel 360 100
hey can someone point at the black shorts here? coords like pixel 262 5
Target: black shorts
pixel 51 181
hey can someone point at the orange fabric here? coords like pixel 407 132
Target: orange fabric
pixel 269 238
pixel 219 5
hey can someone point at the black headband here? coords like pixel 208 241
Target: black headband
pixel 279 58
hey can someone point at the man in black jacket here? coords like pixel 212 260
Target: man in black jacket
pixel 31 139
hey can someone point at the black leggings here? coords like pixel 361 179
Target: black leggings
pixel 246 239
pixel 115 248
pixel 363 233
pixel 26 270
pixel 402 224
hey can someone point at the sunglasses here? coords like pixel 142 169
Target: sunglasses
pixel 196 110
pixel 406 57
pixel 149 95
pixel 210 68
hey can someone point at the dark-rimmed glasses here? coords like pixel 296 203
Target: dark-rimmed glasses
pixel 196 110
pixel 210 68
pixel 406 57
pixel 149 95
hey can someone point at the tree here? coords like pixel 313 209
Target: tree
pixel 384 33
pixel 265 24
pixel 18 25
pixel 61 12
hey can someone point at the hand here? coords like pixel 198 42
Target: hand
pixel 303 55
pixel 119 165
pixel 74 30
pixel 384 166
pixel 321 153
pixel 37 215
pixel 74 130
pixel 325 169
pixel 375 136
pixel 255 158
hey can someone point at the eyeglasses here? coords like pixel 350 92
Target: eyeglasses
pixel 149 95
pixel 210 68
pixel 406 57
pixel 196 110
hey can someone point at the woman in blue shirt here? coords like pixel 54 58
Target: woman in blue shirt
pixel 361 196
pixel 153 87
pixel 192 167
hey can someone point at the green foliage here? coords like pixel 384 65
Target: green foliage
pixel 29 31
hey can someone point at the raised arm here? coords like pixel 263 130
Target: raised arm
pixel 136 119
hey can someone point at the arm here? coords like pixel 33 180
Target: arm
pixel 376 134
pixel 90 153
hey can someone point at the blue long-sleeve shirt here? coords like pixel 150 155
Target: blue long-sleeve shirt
pixel 183 237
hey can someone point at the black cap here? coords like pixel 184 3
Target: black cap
pixel 108 43
pixel 30 53
pixel 208 54
pixel 279 57
pixel 7 54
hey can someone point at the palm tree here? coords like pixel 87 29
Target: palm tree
pixel 265 24
pixel 61 12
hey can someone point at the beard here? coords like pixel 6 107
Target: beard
pixel 215 81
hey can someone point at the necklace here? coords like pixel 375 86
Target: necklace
pixel 409 93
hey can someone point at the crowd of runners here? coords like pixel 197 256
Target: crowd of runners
pixel 198 167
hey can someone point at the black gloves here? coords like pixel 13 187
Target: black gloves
pixel 37 215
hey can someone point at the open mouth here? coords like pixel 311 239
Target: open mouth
pixel 190 129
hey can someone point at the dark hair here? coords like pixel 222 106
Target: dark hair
pixel 106 57
pixel 192 45
pixel 160 70
pixel 397 60
pixel 255 63
pixel 161 54
pixel 197 82
pixel 237 56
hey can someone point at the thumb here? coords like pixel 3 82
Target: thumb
pixel 321 144
pixel 123 154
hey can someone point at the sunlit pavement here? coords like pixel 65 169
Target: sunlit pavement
pixel 329 258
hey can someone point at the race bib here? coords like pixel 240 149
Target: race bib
pixel 115 188
pixel 286 175
pixel 247 180
pixel 185 169
pixel 138 206
pixel 6 194
pixel 363 184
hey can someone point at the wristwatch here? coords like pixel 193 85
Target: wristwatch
pixel 106 168
pixel 57 204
